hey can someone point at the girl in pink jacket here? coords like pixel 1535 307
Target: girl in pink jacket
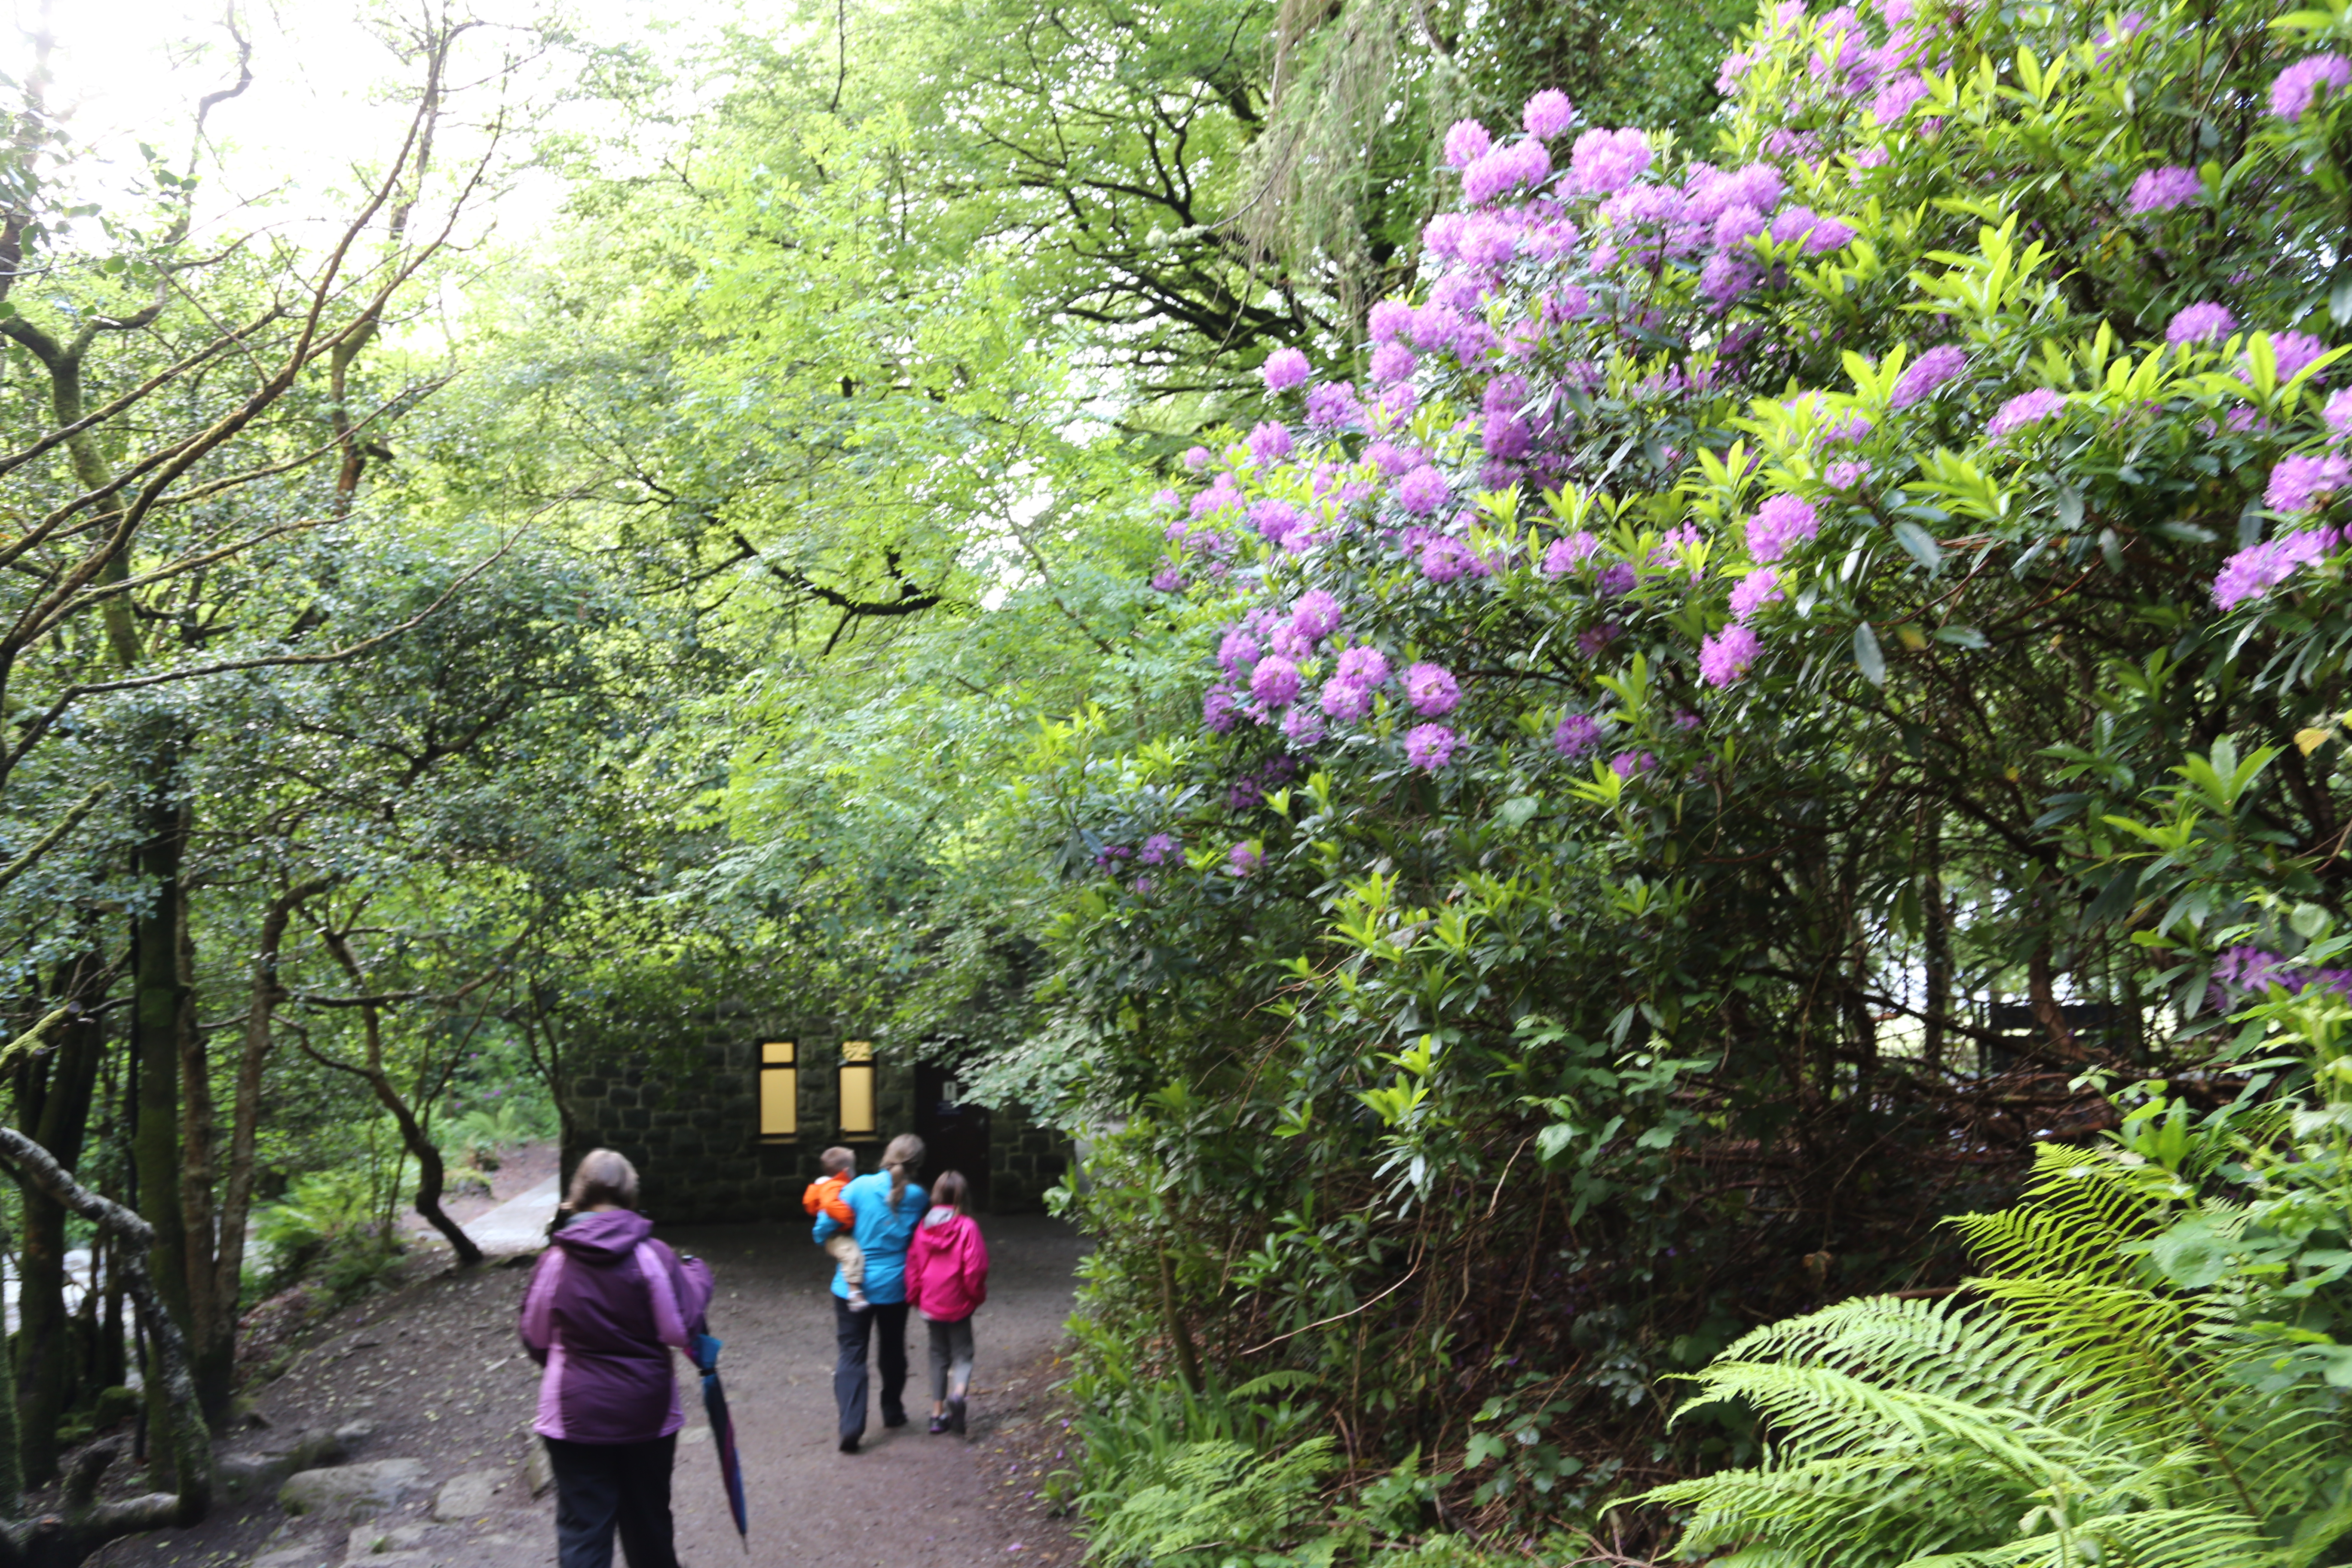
pixel 947 1280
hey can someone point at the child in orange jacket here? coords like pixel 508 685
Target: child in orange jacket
pixel 824 1195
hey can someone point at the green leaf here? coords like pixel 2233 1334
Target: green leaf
pixel 1866 655
pixel 2115 897
pixel 2189 1254
pixel 1518 809
pixel 1919 543
pixel 2069 508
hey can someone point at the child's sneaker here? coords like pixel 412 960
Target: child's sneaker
pixel 955 1415
pixel 858 1302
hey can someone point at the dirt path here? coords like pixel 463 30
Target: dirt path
pixel 435 1372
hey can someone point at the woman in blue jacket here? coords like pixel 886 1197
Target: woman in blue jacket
pixel 888 1206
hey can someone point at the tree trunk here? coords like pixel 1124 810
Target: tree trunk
pixel 1937 918
pixel 83 1523
pixel 430 1172
pixel 12 1470
pixel 54 1100
pixel 211 1323
pixel 245 1111
pixel 1180 1337
pixel 2040 995
pixel 156 1043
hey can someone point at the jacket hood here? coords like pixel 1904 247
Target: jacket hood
pixel 604 1238
pixel 940 1214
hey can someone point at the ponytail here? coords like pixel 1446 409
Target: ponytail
pixel 904 1150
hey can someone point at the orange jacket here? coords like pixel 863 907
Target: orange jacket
pixel 825 1195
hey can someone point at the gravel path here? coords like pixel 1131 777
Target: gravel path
pixel 436 1371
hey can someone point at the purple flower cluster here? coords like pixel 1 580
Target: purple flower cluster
pixel 2298 86
pixel 1725 656
pixel 1274 683
pixel 1759 588
pixel 2291 352
pixel 1504 170
pixel 1429 746
pixel 1332 405
pixel 2338 413
pixel 1783 521
pixel 1431 689
pixel 2247 970
pixel 1348 695
pixel 2026 408
pixel 1603 162
pixel 2161 190
pixel 1270 442
pixel 1284 369
pixel 1923 376
pixel 1577 735
pixel 1465 143
pixel 1547 114
pixel 2301 484
pixel 2205 323
pixel 1444 558
pixel 1314 615
pixel 1820 235
pixel 1898 98
pixel 1422 491
pixel 2254 571
pixel 1565 555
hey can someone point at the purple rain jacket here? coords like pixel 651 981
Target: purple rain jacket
pixel 604 1305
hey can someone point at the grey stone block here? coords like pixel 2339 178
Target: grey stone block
pixel 352 1492
pixel 471 1495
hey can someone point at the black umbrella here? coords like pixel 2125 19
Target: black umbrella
pixel 705 1351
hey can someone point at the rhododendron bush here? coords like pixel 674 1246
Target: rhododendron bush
pixel 1774 663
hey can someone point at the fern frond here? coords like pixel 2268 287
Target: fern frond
pixel 1860 1512
pixel 2156 1538
pixel 1816 1410
pixel 2079 1411
pixel 1935 1347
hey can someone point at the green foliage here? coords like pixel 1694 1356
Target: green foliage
pixel 486 1132
pixel 331 1227
pixel 2151 1372
pixel 1216 1502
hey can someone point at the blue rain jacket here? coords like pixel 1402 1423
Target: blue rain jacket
pixel 881 1235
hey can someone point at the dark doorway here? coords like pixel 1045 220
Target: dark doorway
pixel 954 1134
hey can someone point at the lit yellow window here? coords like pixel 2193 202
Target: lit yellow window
pixel 857 1088
pixel 780 1090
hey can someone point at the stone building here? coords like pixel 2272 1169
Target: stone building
pixel 729 1127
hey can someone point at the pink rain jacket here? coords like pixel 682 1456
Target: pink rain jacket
pixel 947 1267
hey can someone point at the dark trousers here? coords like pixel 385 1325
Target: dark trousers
pixel 950 1358
pixel 849 1329
pixel 600 1486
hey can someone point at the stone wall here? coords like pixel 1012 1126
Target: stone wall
pixel 688 1118
pixel 1025 1161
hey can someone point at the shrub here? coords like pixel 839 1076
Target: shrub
pixel 329 1225
pixel 486 1132
pixel 1725 636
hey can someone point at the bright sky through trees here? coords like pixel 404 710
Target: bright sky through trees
pixel 322 106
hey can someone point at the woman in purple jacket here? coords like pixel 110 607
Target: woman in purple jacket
pixel 605 1306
